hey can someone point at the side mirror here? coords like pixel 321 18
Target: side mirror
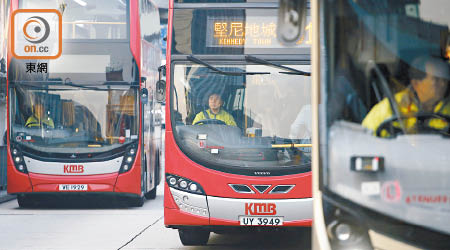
pixel 143 79
pixel 2 65
pixel 291 21
pixel 144 96
pixel 161 91
pixel 162 71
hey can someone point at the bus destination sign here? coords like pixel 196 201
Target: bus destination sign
pixel 255 32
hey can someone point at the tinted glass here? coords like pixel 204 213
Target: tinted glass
pixel 88 19
pixel 243 123
pixel 58 119
pixel 81 62
pixel 385 108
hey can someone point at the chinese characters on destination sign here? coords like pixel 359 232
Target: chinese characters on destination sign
pixel 252 33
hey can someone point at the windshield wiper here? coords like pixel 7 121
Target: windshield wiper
pixel 79 86
pixel 209 66
pixel 53 83
pixel 121 83
pixel 292 71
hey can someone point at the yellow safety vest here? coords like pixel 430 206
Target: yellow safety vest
pixel 408 108
pixel 35 122
pixel 222 115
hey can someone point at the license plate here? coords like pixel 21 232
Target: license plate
pixel 260 221
pixel 73 187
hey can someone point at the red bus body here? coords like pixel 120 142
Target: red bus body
pixel 143 174
pixel 220 205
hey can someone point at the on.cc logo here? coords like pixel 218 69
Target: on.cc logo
pixel 36 29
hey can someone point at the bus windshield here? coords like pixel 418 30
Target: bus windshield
pixel 87 19
pixel 387 107
pixel 51 118
pixel 81 63
pixel 230 121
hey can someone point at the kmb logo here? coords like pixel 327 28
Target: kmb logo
pixel 260 209
pixel 73 169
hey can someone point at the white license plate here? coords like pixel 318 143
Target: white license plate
pixel 73 187
pixel 260 221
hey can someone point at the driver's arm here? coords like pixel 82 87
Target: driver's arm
pixel 379 113
pixel 229 120
pixel 200 116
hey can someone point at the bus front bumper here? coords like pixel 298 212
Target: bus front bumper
pixel 195 209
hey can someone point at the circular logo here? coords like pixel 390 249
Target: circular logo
pixel 391 191
pixel 36 29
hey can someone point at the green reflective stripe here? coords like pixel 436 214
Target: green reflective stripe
pixel 34 122
pixel 382 111
pixel 222 115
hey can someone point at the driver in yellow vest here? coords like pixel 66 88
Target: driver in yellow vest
pixel 215 112
pixel 39 119
pixel 424 95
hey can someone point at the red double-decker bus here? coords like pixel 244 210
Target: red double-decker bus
pixel 83 123
pixel 238 121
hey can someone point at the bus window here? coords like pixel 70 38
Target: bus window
pixel 262 107
pixel 87 19
pixel 384 122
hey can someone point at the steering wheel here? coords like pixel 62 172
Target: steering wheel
pixel 422 124
pixel 210 121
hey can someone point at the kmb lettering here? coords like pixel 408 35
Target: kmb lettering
pixel 73 169
pixel 260 209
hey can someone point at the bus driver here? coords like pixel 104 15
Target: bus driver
pixel 39 119
pixel 426 94
pixel 215 112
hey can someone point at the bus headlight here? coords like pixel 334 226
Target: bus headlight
pixel 21 168
pixel 347 235
pixel 345 231
pixel 184 184
pixel 18 160
pixel 128 159
pixel 193 187
pixel 172 181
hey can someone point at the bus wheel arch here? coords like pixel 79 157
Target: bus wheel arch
pixel 193 236
pixel 26 201
pixel 139 201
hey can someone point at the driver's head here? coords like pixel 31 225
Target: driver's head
pixel 39 110
pixel 429 78
pixel 215 102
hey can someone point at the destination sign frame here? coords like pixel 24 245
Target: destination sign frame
pixel 254 32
